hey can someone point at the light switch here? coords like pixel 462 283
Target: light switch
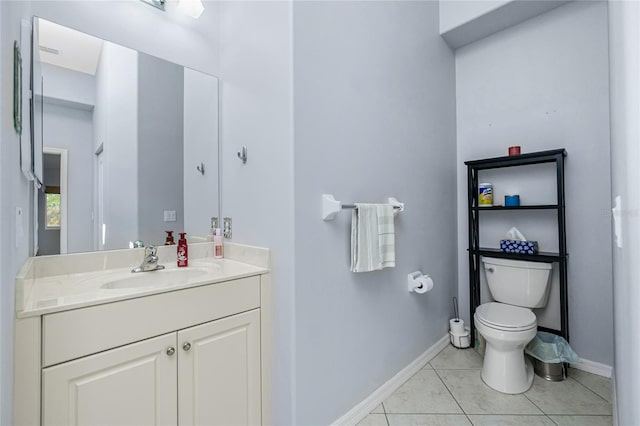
pixel 169 215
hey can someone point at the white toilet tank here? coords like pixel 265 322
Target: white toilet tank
pixel 518 282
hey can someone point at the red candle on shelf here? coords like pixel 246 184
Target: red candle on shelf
pixel 514 150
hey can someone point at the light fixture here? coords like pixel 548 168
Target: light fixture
pixel 49 50
pixel 193 8
pixel 155 3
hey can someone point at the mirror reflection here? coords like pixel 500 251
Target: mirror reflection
pixel 129 144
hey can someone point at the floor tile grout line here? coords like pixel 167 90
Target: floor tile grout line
pixel 510 415
pixel 542 413
pixel 458 369
pixel 451 393
pixel 442 414
pixel 551 420
pixel 514 415
pixel 585 386
pixel 384 410
pixel 566 414
pixel 534 404
pixel 590 390
pixel 468 419
pixel 466 415
pixel 581 415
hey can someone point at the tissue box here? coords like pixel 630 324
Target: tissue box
pixel 517 246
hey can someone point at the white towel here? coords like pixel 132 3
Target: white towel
pixel 372 237
pixel 386 235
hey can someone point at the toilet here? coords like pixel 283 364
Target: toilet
pixel 508 324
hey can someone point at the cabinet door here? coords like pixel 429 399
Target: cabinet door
pixel 219 372
pixel 132 385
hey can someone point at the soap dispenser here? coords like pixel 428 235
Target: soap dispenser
pixel 217 245
pixel 169 241
pixel 183 250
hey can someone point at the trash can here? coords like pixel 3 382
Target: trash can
pixel 549 353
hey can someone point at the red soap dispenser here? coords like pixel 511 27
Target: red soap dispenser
pixel 183 250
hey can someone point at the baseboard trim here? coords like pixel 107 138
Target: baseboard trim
pixel 614 398
pixel 360 411
pixel 598 368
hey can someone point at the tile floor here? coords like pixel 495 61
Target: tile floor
pixel 448 391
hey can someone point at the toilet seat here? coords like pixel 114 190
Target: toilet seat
pixel 501 316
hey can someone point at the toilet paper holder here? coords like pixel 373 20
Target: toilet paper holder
pixel 418 282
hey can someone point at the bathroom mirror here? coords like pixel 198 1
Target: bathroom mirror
pixel 128 143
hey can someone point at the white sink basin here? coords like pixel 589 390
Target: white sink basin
pixel 159 278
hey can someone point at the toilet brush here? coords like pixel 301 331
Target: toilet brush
pixel 456 325
pixel 455 309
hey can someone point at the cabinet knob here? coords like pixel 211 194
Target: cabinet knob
pixel 186 346
pixel 171 350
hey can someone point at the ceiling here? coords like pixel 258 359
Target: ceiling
pixel 76 51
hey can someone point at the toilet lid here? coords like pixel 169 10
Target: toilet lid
pixel 505 316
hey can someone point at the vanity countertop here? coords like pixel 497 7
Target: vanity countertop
pixel 59 283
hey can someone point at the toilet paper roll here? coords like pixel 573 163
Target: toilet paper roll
pixel 424 284
pixel 456 326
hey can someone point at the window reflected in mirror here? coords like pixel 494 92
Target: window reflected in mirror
pixel 52 213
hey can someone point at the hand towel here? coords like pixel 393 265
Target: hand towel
pixel 372 237
pixel 386 235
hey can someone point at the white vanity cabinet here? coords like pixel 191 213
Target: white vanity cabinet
pixel 197 355
pixel 132 385
pixel 203 375
pixel 219 372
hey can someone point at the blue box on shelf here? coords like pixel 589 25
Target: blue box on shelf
pixel 517 246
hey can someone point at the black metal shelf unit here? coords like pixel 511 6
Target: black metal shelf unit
pixel 529 207
pixel 556 156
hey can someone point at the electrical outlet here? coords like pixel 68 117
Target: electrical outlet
pixel 169 215
pixel 214 222
pixel 227 227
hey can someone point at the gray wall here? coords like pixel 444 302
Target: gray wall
pixel 3 306
pixel 201 196
pixel 257 111
pixel 544 85
pixel 454 13
pixel 116 127
pixel 72 129
pixel 624 43
pixel 15 192
pixel 375 117
pixel 160 148
pixel 68 85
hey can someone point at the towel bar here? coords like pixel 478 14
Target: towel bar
pixel 331 206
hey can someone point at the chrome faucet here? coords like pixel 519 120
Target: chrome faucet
pixel 150 261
